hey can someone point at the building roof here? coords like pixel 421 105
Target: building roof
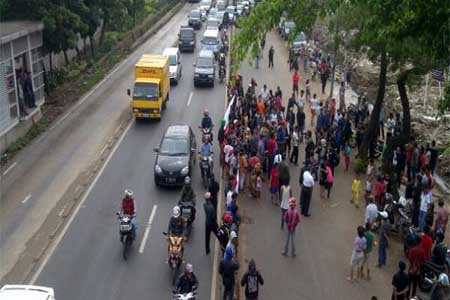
pixel 16 29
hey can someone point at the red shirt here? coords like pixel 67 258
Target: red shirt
pixel 295 78
pixel 253 161
pixel 128 206
pixel 427 244
pixel 274 178
pixel 271 144
pixel 409 153
pixel 416 259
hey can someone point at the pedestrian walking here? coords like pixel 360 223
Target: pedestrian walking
pixel 371 212
pixel 322 178
pixel 295 79
pixel 357 259
pixel 295 140
pixel 257 58
pixel 329 179
pixel 367 253
pixel 271 52
pixel 356 186
pixel 416 257
pixel 347 154
pixel 370 172
pixel 342 96
pixel 383 239
pixel 286 194
pixel 307 184
pixel 291 218
pixel 210 220
pixel 213 189
pixel 425 200
pixel 400 282
pixel 251 281
pixel 308 90
pixel 442 217
pixel 227 268
pixel 315 108
pixel 274 183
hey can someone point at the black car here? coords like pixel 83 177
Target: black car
pixel 195 19
pixel 176 156
pixel 205 69
pixel 186 39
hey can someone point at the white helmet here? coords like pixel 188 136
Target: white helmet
pixel 128 193
pixel 187 180
pixel 176 211
pixel 443 279
pixel 278 158
pixel 383 214
pixel 323 142
pixel 189 268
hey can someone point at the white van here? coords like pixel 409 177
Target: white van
pixel 26 292
pixel 211 41
pixel 174 63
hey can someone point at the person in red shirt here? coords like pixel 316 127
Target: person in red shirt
pixel 274 183
pixel 128 208
pixel 416 259
pixel 426 243
pixel 271 147
pixel 295 79
pixel 378 190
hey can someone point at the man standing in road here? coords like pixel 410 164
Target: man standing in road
pixel 295 79
pixel 271 52
pixel 210 220
pixel 214 190
pixel 251 280
pixel 307 185
pixel 227 267
pixel 291 219
pixel 400 281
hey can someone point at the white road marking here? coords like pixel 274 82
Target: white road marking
pixel 26 199
pixel 10 168
pixel 190 98
pixel 77 209
pixel 147 229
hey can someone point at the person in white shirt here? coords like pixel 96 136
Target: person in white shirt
pixel 295 143
pixel 371 212
pixel 301 99
pixel 306 193
pixel 315 106
pixel 264 93
pixel 425 200
pixel 390 124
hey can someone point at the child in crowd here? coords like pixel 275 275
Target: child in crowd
pixel 356 185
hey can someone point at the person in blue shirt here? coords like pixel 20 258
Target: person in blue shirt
pixel 206 121
pixel 206 150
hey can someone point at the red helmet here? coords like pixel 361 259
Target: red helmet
pixel 228 218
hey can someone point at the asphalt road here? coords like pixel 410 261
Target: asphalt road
pixel 87 264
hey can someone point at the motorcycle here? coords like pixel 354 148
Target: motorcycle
pixel 187 217
pixel 205 169
pixel 221 73
pixel 429 275
pixel 125 229
pixel 206 133
pixel 188 296
pixel 175 251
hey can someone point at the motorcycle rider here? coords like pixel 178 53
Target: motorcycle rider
pixel 207 122
pixel 222 64
pixel 187 282
pixel 440 249
pixel 188 197
pixel 441 291
pixel 128 208
pixel 175 223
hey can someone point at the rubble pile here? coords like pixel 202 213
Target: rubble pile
pixel 423 104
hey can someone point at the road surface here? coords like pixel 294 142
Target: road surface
pixel 87 263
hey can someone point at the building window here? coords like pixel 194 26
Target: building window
pixel 12 97
pixel 38 80
pixel 36 53
pixel 37 67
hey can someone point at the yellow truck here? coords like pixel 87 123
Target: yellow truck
pixel 151 86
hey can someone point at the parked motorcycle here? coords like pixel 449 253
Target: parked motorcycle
pixel 125 229
pixel 429 275
pixel 175 252
pixel 188 296
pixel 187 217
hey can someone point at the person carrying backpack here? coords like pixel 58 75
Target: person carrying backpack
pixel 251 280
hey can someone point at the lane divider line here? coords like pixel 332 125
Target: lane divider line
pixel 147 229
pixel 190 98
pixel 26 199
pixel 12 166
pixel 53 247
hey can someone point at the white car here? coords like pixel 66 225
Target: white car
pixel 212 23
pixel 231 10
pixel 205 5
pixel 212 12
pixel 26 292
pixel 240 10
pixel 174 63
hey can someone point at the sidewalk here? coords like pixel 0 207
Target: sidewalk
pixel 324 241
